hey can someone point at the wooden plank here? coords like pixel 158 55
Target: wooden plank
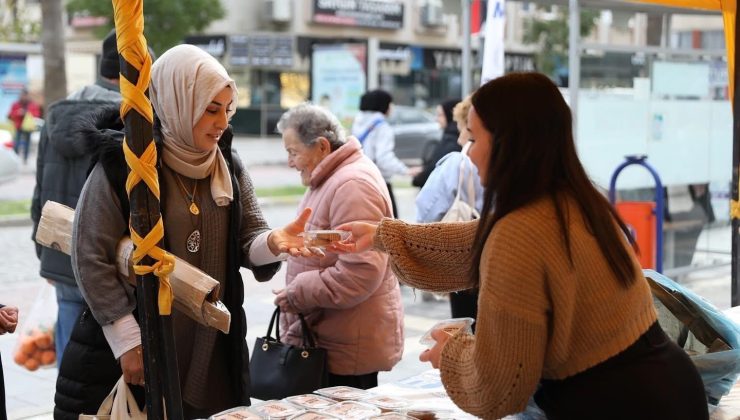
pixel 196 293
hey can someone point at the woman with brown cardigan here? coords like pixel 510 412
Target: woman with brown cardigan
pixel 564 311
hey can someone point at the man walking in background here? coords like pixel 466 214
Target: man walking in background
pixel 18 111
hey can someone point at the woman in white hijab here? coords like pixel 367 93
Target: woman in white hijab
pixel 211 219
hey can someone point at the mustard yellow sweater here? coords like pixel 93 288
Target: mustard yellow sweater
pixel 538 315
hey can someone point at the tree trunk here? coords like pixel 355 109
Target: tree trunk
pixel 52 43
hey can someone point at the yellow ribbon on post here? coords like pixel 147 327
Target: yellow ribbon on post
pixel 132 47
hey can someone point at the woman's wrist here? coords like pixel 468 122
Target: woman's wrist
pixel 271 245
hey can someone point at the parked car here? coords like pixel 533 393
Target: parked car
pixel 417 133
pixel 10 164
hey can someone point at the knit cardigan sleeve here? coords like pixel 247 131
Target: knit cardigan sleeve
pixel 493 373
pixel 435 257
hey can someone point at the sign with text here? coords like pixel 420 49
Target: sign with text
pixel 212 44
pixel 367 13
pixel 264 50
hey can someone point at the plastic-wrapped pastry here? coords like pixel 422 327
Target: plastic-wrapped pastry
pixel 275 409
pixel 322 238
pixel 310 401
pixel 237 413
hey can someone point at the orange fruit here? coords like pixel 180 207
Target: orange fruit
pixel 31 364
pixel 48 357
pixel 43 340
pixel 28 346
pixel 20 358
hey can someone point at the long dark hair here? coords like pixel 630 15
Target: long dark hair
pixel 533 155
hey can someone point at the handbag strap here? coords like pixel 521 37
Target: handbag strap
pixel 274 320
pixel 308 338
pixel 470 184
pixel 367 132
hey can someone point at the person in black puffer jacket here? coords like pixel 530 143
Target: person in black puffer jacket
pixel 61 170
pixel 447 144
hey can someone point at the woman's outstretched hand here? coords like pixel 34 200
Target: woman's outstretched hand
pixel 361 238
pixel 433 355
pixel 288 238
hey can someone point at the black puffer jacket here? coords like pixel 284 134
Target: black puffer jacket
pixel 88 370
pixel 447 144
pixel 61 170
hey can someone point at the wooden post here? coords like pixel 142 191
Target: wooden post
pixel 160 361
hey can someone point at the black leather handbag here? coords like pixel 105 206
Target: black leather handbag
pixel 279 370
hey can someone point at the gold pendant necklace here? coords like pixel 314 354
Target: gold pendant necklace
pixel 192 243
pixel 191 197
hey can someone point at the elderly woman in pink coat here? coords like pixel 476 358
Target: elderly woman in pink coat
pixel 351 302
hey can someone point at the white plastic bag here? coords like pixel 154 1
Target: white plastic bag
pixel 35 345
pixel 120 404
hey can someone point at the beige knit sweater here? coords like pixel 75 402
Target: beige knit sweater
pixel 538 315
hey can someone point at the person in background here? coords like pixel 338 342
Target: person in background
pixel 17 113
pixel 438 194
pixel 8 322
pixel 565 312
pixel 447 144
pixel 62 165
pixel 212 220
pixel 376 136
pixel 351 302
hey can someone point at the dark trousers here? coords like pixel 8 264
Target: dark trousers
pixel 393 200
pixel 366 381
pixel 464 304
pixel 22 141
pixel 651 379
pixel 3 413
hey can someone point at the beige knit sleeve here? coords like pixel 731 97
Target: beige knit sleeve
pixel 494 373
pixel 434 256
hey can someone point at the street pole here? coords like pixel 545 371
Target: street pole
pixel 735 178
pixel 574 59
pixel 466 62
pixel 373 46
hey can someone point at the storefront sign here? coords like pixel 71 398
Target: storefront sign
pixel 394 59
pixel 239 50
pixel 367 13
pixel 448 59
pixel 212 44
pixel 261 50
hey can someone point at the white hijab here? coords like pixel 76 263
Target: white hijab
pixel 184 81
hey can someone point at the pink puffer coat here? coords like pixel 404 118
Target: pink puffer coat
pixel 352 302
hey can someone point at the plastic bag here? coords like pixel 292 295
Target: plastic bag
pixel 120 404
pixel 710 337
pixel 29 123
pixel 35 346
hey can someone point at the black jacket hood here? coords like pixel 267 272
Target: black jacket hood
pixel 67 119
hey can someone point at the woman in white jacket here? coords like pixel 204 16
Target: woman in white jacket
pixel 377 138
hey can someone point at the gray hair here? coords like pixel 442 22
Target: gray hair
pixel 311 122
